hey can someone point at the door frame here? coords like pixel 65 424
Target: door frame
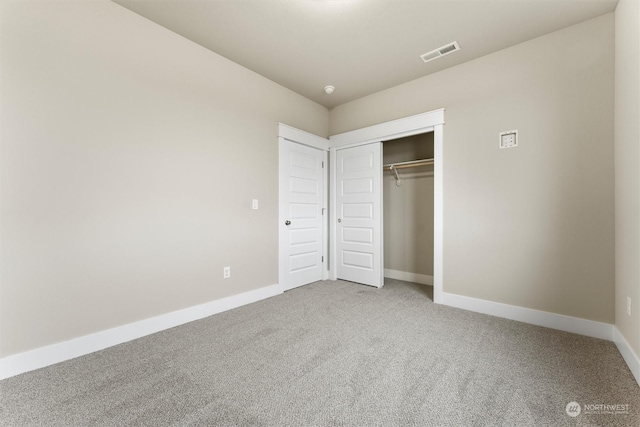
pixel 432 121
pixel 297 136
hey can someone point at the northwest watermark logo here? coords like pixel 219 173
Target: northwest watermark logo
pixel 573 409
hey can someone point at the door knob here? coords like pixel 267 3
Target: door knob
pixel 287 222
pixel 339 220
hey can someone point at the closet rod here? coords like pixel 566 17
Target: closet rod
pixel 410 164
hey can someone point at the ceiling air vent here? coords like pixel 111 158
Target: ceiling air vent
pixel 439 52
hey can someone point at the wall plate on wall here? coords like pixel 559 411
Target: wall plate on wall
pixel 509 139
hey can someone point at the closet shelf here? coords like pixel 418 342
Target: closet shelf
pixel 409 164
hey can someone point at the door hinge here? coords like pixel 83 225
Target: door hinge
pixel 322 165
pixel 323 259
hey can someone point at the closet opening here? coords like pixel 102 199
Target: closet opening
pixel 408 210
pixel 357 206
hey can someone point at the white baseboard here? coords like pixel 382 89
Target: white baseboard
pixel 629 356
pixel 55 353
pixel 561 322
pixel 422 279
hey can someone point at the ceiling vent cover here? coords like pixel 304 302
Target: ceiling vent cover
pixel 440 52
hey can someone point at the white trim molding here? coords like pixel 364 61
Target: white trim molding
pixel 407 126
pixel 301 137
pixel 438 212
pixel 422 279
pixel 66 350
pixel 560 322
pixel 629 356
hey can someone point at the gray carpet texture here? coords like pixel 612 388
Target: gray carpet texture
pixel 335 353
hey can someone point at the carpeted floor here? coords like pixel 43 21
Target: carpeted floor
pixel 334 354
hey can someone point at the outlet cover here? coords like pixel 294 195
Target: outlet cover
pixel 509 139
pixel 227 272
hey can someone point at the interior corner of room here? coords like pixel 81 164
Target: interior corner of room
pixel 131 158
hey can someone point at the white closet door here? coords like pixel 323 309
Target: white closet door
pixel 301 224
pixel 359 214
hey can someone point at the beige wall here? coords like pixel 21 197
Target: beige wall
pixel 408 209
pixel 129 157
pixel 627 175
pixel 531 226
pixel 129 160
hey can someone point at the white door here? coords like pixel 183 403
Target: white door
pixel 359 214
pixel 301 212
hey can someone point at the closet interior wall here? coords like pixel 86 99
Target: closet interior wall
pixel 408 210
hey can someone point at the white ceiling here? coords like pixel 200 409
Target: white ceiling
pixel 359 46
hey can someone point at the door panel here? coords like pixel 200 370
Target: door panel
pixel 357 235
pixel 301 199
pixel 357 211
pixel 359 214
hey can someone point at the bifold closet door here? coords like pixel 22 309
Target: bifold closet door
pixel 359 214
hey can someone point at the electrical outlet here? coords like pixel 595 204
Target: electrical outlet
pixel 227 272
pixel 628 306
